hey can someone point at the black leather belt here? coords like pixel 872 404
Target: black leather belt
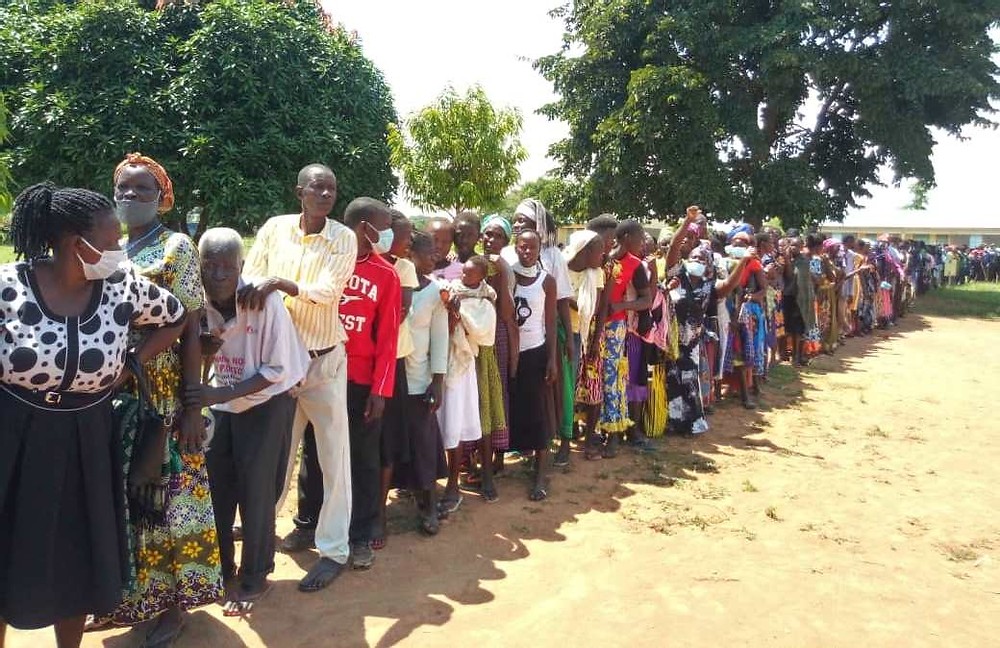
pixel 56 400
pixel 321 352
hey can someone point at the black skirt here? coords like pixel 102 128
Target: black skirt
pixel 794 324
pixel 425 461
pixel 532 411
pixel 62 516
pixel 395 438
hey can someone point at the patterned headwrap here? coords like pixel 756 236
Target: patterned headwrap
pixel 499 221
pixel 158 173
pixel 742 228
pixel 535 211
pixel 831 246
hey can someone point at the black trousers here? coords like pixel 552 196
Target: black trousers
pixel 246 469
pixel 366 470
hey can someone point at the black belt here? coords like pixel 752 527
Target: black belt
pixel 321 352
pixel 57 401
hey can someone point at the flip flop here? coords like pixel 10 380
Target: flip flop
pixel 449 506
pixel 378 543
pixel 243 605
pixel 93 623
pixel 324 572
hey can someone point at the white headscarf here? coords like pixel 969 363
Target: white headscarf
pixel 535 211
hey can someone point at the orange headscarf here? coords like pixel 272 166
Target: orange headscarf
pixel 157 171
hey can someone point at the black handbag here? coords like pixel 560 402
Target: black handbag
pixel 145 434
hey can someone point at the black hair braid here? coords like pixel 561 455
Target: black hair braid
pixel 43 214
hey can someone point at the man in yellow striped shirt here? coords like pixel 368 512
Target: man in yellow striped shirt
pixel 309 257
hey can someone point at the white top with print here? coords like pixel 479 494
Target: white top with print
pixel 42 351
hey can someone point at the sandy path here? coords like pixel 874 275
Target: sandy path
pixel 859 508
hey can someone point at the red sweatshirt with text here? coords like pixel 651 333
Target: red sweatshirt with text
pixel 369 311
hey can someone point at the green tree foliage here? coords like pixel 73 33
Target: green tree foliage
pixel 564 199
pixel 459 152
pixel 5 179
pixel 757 109
pixel 232 96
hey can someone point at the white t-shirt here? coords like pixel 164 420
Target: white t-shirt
pixel 407 279
pixel 264 342
pixel 529 313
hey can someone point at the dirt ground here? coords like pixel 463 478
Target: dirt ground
pixel 859 507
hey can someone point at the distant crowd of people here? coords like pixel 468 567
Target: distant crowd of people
pixel 158 393
pixel 954 265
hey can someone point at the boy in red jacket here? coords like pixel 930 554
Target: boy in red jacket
pixel 369 311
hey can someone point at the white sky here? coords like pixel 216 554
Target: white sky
pixel 423 46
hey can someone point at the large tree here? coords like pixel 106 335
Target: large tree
pixel 764 108
pixel 459 152
pixel 232 96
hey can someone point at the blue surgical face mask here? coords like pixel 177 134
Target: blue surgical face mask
pixel 736 251
pixel 695 268
pixel 384 242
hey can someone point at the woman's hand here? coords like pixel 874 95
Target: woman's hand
pixel 433 395
pixel 374 408
pixel 550 371
pixel 123 378
pixel 191 434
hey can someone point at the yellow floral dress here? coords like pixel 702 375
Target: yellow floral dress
pixel 178 561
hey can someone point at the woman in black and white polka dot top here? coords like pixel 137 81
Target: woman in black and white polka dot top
pixel 65 314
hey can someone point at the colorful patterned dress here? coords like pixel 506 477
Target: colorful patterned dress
pixel 178 562
pixel 685 408
pixel 614 414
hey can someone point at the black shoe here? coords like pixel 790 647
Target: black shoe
pixel 299 540
pixel 362 556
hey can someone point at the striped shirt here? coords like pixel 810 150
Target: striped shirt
pixel 320 264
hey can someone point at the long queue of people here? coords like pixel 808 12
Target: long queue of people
pixel 155 391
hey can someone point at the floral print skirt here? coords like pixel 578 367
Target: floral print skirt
pixel 614 414
pixel 178 561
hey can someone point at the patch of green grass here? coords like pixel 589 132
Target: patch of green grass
pixel 772 513
pixel 6 253
pixel 980 300
pixel 748 487
pixel 781 375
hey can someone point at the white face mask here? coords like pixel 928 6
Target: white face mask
pixel 384 242
pixel 528 272
pixel 695 268
pixel 111 261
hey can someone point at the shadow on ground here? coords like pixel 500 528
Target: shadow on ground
pixel 441 573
